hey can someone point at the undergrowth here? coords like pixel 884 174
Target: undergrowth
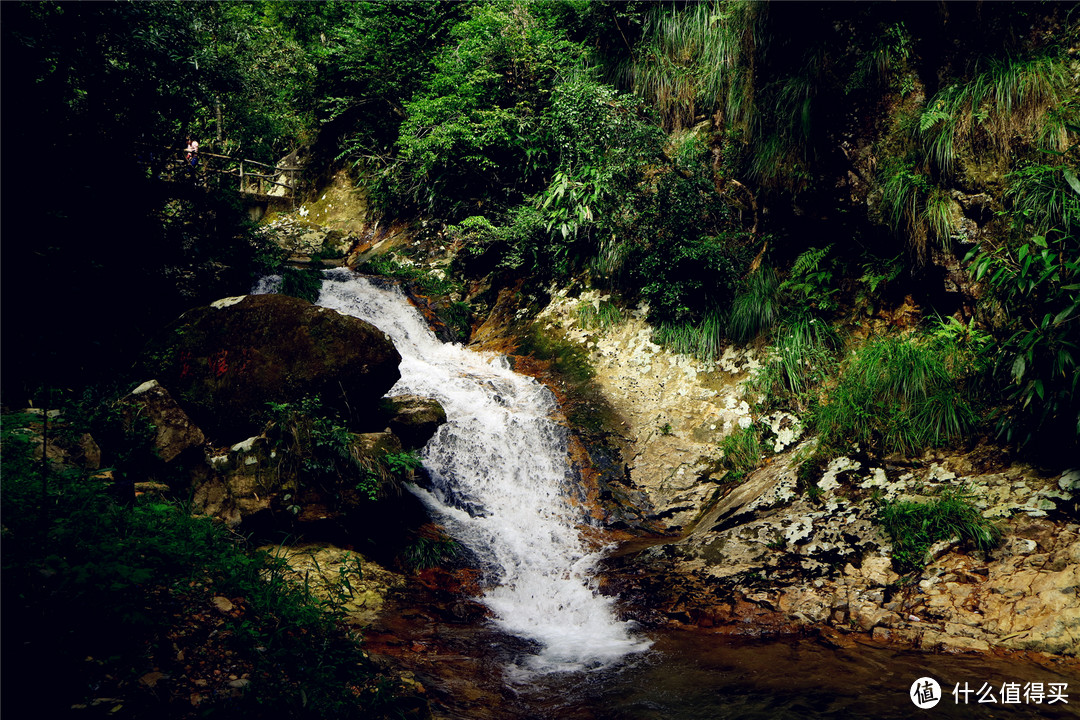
pixel 96 594
pixel 428 282
pixel 742 452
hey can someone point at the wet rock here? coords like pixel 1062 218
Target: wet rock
pixel 242 483
pixel 226 361
pixel 414 419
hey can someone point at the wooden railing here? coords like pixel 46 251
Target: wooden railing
pixel 251 177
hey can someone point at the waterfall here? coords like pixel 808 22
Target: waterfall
pixel 500 483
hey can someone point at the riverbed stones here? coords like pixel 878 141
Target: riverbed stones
pixel 224 362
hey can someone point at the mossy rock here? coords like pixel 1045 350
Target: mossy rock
pixel 224 362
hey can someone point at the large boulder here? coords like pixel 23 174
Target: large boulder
pixel 173 430
pixel 224 362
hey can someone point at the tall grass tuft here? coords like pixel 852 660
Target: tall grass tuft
pixel 915 526
pixel 896 395
pixel 801 356
pixel 601 315
pixel 689 58
pixel 703 339
pixel 758 307
pixel 1009 97
pixel 742 451
pixel 916 210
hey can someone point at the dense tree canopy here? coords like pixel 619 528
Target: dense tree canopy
pixel 665 151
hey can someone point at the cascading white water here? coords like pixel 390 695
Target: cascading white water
pixel 500 477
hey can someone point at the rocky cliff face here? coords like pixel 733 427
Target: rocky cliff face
pixel 219 367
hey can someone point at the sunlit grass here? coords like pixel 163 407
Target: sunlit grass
pixel 915 526
pixel 896 395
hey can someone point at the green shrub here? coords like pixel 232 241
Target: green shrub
pixel 915 526
pixel 312 446
pixel 1045 198
pixel 84 576
pixel 431 548
pixel 303 283
pixel 1038 281
pixel 429 283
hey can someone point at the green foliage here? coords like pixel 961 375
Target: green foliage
pixel 303 283
pixel 915 526
pixel 686 63
pixel 1038 280
pixel 886 60
pixel 811 284
pixel 1043 197
pixel 758 307
pixel 377 56
pixel 897 395
pixel 403 464
pixel 703 339
pixel 314 447
pixel 802 355
pixel 472 131
pixel 1009 97
pixel 430 550
pixel 877 276
pixel 428 282
pixel 742 451
pixel 91 578
pixel 601 315
pixel 601 147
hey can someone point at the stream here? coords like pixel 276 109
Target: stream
pixel 553 646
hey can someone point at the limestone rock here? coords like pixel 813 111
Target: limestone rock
pixel 878 571
pixel 358 584
pixel 173 430
pixel 414 419
pixel 675 409
pixel 225 361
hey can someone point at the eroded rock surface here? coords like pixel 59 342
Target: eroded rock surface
pixel 676 409
pixel 827 561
